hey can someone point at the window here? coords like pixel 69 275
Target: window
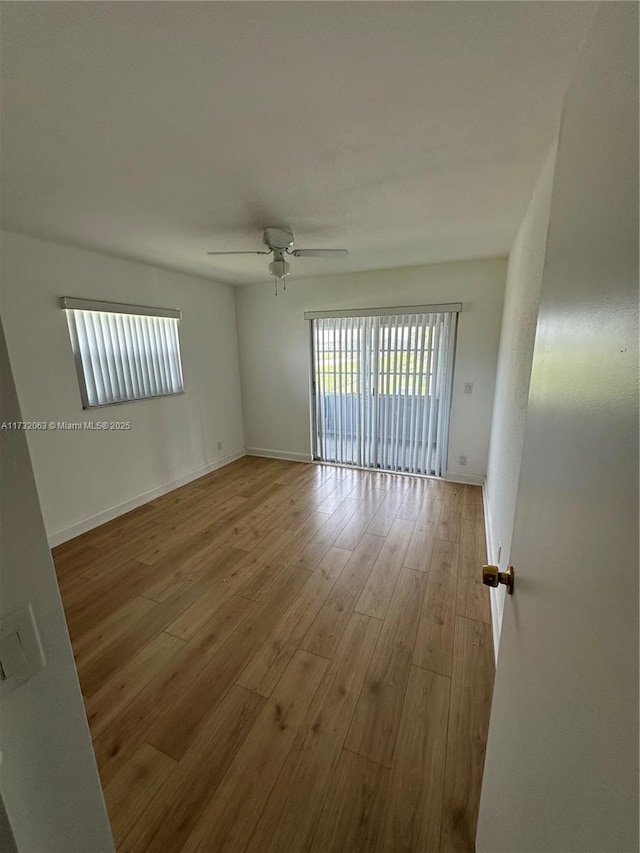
pixel 123 352
pixel 382 387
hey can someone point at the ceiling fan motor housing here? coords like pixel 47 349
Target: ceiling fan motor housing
pixel 278 238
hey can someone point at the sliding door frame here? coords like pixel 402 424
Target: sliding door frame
pixel 367 440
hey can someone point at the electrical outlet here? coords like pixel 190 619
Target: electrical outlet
pixel 468 387
pixel 219 445
pixel 462 460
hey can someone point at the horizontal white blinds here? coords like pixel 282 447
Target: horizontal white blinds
pixel 122 357
pixel 382 390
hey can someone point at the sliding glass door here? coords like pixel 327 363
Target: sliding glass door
pixel 344 395
pixel 382 389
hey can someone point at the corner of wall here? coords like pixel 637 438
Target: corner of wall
pixel 494 599
pixel 93 521
pixel 515 358
pixel 171 439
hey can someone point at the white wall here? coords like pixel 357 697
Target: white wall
pixel 275 350
pixel 517 337
pixel 84 478
pixel 48 778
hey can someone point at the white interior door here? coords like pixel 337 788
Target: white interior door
pixel 561 771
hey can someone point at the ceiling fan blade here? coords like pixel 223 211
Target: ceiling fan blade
pixel 238 253
pixel 319 253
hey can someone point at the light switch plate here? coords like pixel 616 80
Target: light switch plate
pixel 13 661
pixel 22 649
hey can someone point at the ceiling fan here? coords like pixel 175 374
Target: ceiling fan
pixel 279 242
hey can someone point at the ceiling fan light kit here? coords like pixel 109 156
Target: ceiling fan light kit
pixel 279 268
pixel 279 242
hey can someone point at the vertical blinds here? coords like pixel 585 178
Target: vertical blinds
pixel 382 390
pixel 122 353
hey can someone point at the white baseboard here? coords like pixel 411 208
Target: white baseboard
pixel 278 454
pixel 493 593
pixel 120 509
pixel 467 479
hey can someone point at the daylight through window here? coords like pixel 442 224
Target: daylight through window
pixel 382 388
pixel 123 352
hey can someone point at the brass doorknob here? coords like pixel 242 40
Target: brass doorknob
pixel 492 576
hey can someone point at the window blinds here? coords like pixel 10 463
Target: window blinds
pixel 382 390
pixel 124 352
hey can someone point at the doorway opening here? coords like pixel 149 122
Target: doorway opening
pixel 381 388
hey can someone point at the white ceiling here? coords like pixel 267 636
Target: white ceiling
pixel 407 132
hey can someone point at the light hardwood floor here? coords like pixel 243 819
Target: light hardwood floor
pixel 287 657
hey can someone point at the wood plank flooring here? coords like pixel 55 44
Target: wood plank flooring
pixel 287 657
